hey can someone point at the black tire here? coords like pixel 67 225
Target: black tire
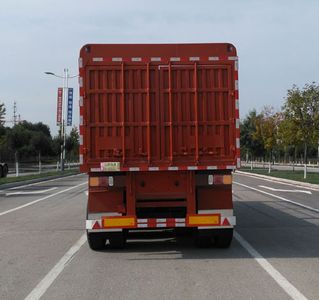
pixel 96 240
pixel 203 238
pixel 203 241
pixel 117 240
pixel 223 238
pixel 6 170
pixel 1 171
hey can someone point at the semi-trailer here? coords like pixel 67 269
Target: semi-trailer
pixel 159 139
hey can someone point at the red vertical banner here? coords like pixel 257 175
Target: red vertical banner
pixel 59 107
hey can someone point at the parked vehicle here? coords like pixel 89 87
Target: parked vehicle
pixel 159 139
pixel 3 170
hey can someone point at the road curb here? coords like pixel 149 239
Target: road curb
pixel 271 178
pixel 24 182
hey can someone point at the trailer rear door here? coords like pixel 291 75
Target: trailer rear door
pixel 146 113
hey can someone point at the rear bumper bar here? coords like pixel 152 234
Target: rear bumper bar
pixel 203 220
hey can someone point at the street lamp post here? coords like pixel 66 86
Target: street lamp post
pixel 65 78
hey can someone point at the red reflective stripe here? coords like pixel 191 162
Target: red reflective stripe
pixel 223 57
pixel 221 167
pixel 179 168
pixel 82 111
pixel 201 168
pixel 171 220
pixel 81 149
pixel 151 222
pixel 170 224
pixel 237 132
pixel 139 59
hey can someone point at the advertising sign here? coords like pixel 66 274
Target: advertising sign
pixel 59 107
pixel 70 107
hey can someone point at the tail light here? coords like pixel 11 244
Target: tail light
pixel 102 181
pixel 219 179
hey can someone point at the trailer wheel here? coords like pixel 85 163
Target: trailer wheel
pixel 203 238
pixel 117 240
pixel 203 241
pixel 96 240
pixel 6 170
pixel 224 238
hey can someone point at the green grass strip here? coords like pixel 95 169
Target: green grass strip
pixel 292 175
pixel 36 176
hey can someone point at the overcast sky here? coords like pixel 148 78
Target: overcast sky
pixel 277 43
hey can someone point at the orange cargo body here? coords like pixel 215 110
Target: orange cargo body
pixel 159 106
pixel 159 137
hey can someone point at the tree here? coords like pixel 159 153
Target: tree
pixel 40 143
pixel 57 141
pixel 2 121
pixel 30 140
pixel 18 137
pixel 249 143
pixel 3 139
pixel 72 143
pixel 37 127
pixel 2 114
pixel 301 108
pixel 267 130
pixel 288 136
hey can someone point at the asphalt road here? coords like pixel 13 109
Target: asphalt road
pixel 275 253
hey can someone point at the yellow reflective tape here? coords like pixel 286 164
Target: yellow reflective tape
pixel 204 220
pixel 119 222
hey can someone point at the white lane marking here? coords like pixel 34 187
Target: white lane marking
pixel 41 182
pixel 41 199
pixel 31 192
pixel 46 282
pixel 290 289
pixel 278 197
pixel 282 190
pixel 273 180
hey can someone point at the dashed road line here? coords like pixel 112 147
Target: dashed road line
pixel 31 192
pixel 278 197
pixel 283 190
pixel 275 180
pixel 47 281
pixel 41 182
pixel 282 281
pixel 39 200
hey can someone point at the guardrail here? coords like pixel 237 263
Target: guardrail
pixel 314 168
